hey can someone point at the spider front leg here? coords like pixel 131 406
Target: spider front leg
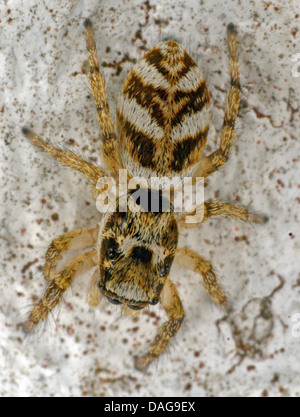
pixel 59 284
pixel 76 239
pixel 110 151
pixel 220 208
pixel 217 159
pixel 170 300
pixel 194 262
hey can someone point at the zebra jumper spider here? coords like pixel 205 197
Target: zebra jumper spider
pixel 163 117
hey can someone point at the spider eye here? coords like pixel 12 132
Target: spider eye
pixel 165 269
pixel 112 252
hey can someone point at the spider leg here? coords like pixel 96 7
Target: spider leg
pixel 76 239
pixel 97 84
pixel 194 262
pixel 219 208
pixel 66 157
pixel 110 152
pixel 59 284
pixel 217 159
pixel 170 300
pixel 94 294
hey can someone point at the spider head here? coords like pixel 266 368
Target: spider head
pixel 136 251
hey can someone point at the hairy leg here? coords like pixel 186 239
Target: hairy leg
pixel 59 284
pixel 65 157
pixel 76 239
pixel 219 208
pixel 110 152
pixel 217 159
pixel 194 262
pixel 94 294
pixel 170 300
pixel 97 84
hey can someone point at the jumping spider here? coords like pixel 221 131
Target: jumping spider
pixel 163 116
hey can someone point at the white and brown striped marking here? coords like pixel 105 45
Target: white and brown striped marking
pixel 163 113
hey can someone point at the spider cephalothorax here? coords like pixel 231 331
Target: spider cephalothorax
pixel 163 117
pixel 137 248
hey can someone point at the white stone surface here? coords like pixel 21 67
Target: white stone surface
pixel 81 351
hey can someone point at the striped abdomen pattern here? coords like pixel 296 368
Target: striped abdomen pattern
pixel 163 113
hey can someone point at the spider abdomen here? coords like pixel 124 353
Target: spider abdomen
pixel 163 114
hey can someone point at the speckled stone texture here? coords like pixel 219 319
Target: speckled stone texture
pixel 253 351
